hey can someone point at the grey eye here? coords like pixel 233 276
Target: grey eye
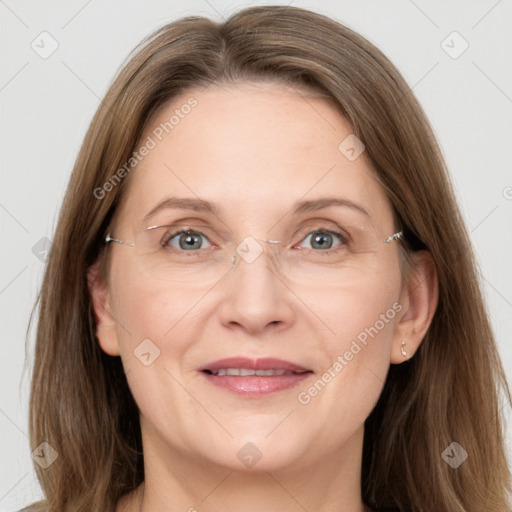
pixel 321 239
pixel 187 240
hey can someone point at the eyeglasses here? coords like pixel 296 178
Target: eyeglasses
pixel 183 254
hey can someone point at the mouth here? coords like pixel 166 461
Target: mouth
pixel 246 372
pixel 254 377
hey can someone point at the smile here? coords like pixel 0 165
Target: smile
pixel 250 377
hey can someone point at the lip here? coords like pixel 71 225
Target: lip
pixel 264 363
pixel 253 385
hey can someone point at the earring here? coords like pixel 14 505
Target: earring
pixel 402 349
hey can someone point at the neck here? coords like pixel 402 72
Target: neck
pixel 181 482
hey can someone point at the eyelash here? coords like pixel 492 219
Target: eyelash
pixel 344 240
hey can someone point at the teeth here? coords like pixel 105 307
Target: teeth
pixel 244 372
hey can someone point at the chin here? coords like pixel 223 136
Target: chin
pixel 254 450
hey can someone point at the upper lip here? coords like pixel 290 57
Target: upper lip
pixel 264 363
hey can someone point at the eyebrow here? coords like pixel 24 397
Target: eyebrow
pixel 319 204
pixel 200 205
pixel 184 203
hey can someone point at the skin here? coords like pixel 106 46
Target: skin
pixel 254 149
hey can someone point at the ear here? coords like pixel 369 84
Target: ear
pixel 106 328
pixel 419 299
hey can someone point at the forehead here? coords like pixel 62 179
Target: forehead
pixel 252 148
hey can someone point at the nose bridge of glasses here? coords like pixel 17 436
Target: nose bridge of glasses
pixel 251 248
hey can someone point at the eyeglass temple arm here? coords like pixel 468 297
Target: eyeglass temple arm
pixel 395 236
pixel 109 239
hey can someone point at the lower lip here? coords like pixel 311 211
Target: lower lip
pixel 257 386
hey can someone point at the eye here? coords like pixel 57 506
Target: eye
pixel 186 240
pixel 323 239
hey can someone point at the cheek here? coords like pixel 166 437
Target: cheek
pixel 146 307
pixel 362 308
pixel 156 327
pixel 361 318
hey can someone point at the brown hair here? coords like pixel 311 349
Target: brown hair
pixel 449 391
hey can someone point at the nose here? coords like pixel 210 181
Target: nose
pixel 256 298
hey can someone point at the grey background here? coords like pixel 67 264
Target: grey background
pixel 47 104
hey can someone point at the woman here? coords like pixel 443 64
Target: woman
pixel 261 294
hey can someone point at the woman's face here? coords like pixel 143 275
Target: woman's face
pixel 318 302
